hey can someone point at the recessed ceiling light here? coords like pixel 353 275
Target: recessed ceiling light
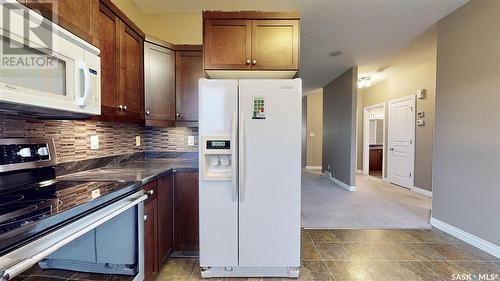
pixel 335 53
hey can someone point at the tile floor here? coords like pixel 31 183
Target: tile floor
pixel 345 255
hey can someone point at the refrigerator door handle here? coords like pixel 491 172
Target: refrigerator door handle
pixel 243 156
pixel 234 161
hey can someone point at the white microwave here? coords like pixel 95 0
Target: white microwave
pixel 44 69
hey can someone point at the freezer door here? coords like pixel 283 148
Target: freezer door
pixel 269 172
pixel 218 107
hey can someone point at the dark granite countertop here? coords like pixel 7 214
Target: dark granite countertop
pixel 141 170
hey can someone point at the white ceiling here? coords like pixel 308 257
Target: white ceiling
pixel 368 32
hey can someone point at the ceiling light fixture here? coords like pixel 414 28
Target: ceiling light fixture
pixel 364 82
pixel 335 53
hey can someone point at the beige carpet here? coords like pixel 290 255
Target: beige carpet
pixel 374 204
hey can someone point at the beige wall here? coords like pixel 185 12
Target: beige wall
pixel 315 127
pixel 405 84
pixel 467 144
pixel 173 28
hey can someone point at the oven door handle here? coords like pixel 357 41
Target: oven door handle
pixel 23 264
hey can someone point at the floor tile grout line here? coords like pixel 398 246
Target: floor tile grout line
pixel 194 269
pixel 321 256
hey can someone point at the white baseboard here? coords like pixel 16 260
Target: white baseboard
pixel 329 177
pixel 313 167
pixel 359 171
pixel 421 191
pixel 347 187
pixel 467 237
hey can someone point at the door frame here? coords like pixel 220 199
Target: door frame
pixel 366 138
pixel 412 148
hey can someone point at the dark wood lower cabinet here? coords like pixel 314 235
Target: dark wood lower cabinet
pixel 186 217
pixel 375 159
pixel 151 232
pixel 165 217
pixel 170 219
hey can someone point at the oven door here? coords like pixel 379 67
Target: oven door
pixel 21 259
pixel 47 68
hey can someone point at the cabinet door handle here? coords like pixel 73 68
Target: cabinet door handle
pixel 120 107
pixel 391 149
pixel 248 62
pixel 254 62
pixel 125 107
pixel 145 217
pixel 148 112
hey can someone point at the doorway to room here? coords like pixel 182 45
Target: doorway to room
pixel 374 127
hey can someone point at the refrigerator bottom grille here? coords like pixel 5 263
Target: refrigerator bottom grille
pixel 290 272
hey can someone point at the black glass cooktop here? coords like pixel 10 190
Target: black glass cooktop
pixel 33 208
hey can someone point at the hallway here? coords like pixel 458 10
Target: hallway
pixel 374 204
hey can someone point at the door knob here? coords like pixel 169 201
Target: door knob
pixel 148 112
pixel 178 115
pixel 254 62
pixel 248 62
pixel 145 217
pixel 151 192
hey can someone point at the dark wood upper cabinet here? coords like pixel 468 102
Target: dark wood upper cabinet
pixel 227 44
pixel 165 217
pixel 275 44
pixel 64 13
pixel 189 69
pixel 251 41
pixel 159 75
pixel 106 39
pixel 131 72
pixel 122 68
pixel 186 217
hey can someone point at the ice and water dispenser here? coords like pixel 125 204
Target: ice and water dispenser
pixel 217 159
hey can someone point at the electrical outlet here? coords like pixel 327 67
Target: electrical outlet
pixel 137 140
pixel 190 140
pixel 94 142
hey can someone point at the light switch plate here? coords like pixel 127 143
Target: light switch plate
pixel 137 140
pixel 190 140
pixel 312 134
pixel 94 142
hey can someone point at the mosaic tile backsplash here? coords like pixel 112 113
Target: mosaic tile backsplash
pixel 72 137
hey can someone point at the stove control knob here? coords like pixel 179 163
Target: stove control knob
pixel 42 151
pixel 24 152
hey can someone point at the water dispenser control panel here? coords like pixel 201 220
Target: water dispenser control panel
pixel 217 158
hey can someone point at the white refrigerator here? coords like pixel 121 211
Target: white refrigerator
pixel 250 176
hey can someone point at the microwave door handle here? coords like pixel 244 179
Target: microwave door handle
pixel 84 100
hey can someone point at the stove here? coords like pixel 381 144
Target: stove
pixel 33 202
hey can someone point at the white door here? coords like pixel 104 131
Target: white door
pixel 269 173
pixel 218 102
pixel 401 141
